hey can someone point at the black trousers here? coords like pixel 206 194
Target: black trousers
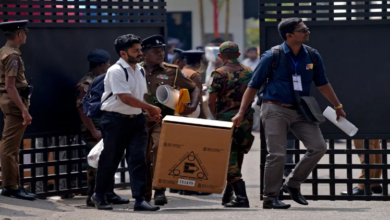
pixel 120 135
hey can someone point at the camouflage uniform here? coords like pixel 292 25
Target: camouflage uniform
pixel 229 82
pixel 81 90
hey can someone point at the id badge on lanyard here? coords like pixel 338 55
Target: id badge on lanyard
pixel 297 82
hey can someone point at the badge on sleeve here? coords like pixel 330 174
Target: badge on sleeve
pixel 15 63
pixel 86 88
pixel 200 79
pixel 182 73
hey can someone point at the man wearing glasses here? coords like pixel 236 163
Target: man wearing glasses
pixel 160 73
pixel 279 112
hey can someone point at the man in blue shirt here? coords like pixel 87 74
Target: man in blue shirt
pixel 279 112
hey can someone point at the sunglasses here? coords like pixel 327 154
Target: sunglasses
pixel 304 30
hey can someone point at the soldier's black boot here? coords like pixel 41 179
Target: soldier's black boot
pixel 91 187
pixel 160 198
pixel 228 194
pixel 241 200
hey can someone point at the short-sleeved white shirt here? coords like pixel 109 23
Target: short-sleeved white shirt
pixel 115 82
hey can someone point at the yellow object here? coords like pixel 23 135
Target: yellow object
pixel 339 107
pixel 184 99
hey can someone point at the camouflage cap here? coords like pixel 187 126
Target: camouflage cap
pixel 229 47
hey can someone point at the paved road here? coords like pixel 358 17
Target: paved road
pixel 206 207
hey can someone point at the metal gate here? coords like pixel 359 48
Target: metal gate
pixel 351 37
pixel 62 34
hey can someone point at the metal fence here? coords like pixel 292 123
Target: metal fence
pixel 331 182
pixel 54 164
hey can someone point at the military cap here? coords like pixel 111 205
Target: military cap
pixel 193 56
pixel 153 41
pixel 229 47
pixel 179 52
pixel 98 56
pixel 14 25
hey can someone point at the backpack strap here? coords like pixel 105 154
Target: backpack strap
pixel 271 68
pixel 274 61
pixel 127 74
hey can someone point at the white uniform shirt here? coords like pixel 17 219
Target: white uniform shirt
pixel 115 83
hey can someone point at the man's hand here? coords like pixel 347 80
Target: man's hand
pixel 154 113
pixel 237 120
pixel 26 118
pixel 340 113
pixel 189 109
pixel 97 134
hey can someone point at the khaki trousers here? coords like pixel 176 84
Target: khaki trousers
pixel 277 121
pixel 374 159
pixel 11 139
pixel 153 143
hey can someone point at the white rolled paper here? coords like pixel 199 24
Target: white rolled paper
pixel 343 123
pixel 169 97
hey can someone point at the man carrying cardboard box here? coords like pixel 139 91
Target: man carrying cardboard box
pixel 160 73
pixel 227 86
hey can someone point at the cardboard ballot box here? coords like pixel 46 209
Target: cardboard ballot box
pixel 193 154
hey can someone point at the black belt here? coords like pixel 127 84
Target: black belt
pixel 119 115
pixel 281 104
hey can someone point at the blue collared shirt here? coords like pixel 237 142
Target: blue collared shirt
pixel 280 87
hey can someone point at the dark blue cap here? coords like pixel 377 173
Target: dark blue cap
pixel 153 41
pixel 98 56
pixel 193 56
pixel 14 25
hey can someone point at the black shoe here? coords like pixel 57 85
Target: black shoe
pixel 241 200
pixel 295 194
pixel 89 202
pixel 100 203
pixel 113 198
pixel 287 172
pixel 377 189
pixel 67 196
pixel 190 193
pixel 144 206
pixel 228 195
pixel 160 198
pixel 174 190
pixel 355 192
pixel 32 194
pixel 275 204
pixel 17 193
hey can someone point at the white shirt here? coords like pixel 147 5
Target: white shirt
pixel 251 64
pixel 115 83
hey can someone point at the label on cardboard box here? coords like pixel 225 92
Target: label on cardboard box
pixel 186 182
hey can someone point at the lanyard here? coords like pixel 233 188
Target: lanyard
pixel 295 63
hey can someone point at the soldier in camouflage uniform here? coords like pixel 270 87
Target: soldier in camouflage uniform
pixel 99 62
pixel 227 86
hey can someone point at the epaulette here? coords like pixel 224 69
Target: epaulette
pixel 171 65
pixel 9 52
